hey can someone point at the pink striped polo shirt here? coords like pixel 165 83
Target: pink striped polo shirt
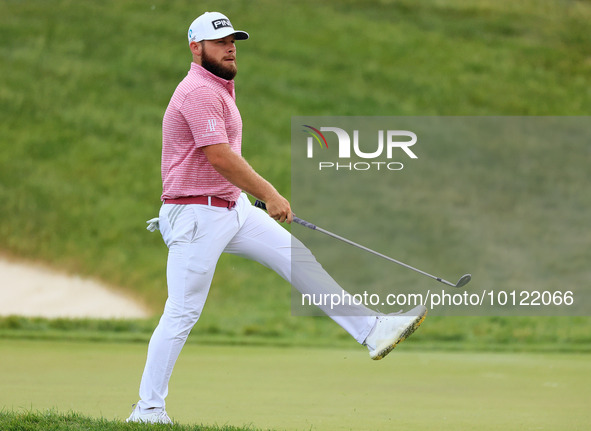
pixel 201 112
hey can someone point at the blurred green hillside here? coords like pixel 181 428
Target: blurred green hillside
pixel 84 86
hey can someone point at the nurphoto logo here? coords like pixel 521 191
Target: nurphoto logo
pixel 384 146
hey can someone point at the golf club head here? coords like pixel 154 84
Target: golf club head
pixel 464 279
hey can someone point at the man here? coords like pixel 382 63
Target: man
pixel 205 213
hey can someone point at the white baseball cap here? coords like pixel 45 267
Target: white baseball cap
pixel 211 26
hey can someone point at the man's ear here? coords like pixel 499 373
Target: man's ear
pixel 196 48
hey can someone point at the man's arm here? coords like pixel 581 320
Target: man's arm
pixel 237 170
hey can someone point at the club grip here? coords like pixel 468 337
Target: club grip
pixel 304 223
pixel 261 205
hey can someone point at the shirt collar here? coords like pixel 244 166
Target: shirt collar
pixel 206 74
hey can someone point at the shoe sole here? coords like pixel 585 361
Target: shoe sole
pixel 407 333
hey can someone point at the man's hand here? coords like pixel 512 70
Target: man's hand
pixel 278 208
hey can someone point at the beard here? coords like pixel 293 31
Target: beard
pixel 224 71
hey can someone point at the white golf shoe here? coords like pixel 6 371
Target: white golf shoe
pixel 154 417
pixel 391 330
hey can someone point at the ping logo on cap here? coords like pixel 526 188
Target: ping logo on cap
pixel 220 23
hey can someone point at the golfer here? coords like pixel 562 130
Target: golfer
pixel 205 213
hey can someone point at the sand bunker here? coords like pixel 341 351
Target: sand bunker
pixel 28 290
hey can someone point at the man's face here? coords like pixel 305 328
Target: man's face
pixel 219 57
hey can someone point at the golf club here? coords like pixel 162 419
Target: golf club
pixel 464 279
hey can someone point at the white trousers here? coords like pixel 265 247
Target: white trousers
pixel 196 236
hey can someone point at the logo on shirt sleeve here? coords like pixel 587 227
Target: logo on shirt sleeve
pixel 210 125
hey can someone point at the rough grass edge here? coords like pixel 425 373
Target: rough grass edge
pixel 506 334
pixel 27 420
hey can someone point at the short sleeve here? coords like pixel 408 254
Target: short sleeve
pixel 203 110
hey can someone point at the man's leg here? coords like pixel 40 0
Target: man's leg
pixel 262 239
pixel 196 236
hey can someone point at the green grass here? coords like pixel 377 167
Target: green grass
pixel 302 388
pixel 84 86
pixel 83 90
pixel 55 421
pixel 460 333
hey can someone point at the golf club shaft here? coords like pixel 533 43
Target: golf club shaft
pixel 312 226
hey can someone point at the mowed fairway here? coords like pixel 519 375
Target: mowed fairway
pixel 306 388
